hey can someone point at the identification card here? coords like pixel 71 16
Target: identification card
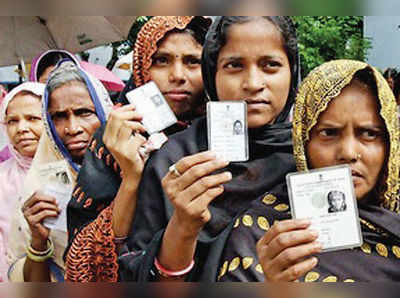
pixel 227 130
pixel 151 104
pixel 57 183
pixel 62 193
pixel 326 196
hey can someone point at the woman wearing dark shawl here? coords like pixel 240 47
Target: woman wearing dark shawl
pixel 327 132
pixel 167 51
pixel 248 58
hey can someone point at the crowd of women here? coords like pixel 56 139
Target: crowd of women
pixel 180 213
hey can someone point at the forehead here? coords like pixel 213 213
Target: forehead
pixel 182 42
pixel 24 102
pixel 70 95
pixel 263 36
pixel 354 96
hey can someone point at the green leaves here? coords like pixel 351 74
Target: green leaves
pixel 325 38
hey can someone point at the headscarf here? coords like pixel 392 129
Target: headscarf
pixel 378 258
pixel 280 131
pixel 323 85
pixel 270 159
pixel 152 32
pixel 36 62
pixel 50 149
pixel 12 172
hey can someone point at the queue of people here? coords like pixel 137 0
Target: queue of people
pixel 181 213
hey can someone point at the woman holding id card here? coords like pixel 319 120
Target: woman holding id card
pixel 328 131
pixel 188 198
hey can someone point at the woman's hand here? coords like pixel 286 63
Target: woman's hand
pixel 190 189
pixel 37 208
pixel 284 251
pixel 194 189
pixel 122 138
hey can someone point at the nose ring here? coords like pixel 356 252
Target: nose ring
pixel 358 157
pixel 66 130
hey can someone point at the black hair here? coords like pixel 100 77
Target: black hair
pixel 217 37
pixel 50 59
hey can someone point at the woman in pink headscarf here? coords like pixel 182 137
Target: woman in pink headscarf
pixel 21 119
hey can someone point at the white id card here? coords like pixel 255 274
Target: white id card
pixel 326 196
pixel 62 193
pixel 151 104
pixel 227 130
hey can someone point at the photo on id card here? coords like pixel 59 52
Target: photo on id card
pixel 151 104
pixel 227 130
pixel 326 196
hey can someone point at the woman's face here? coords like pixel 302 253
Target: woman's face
pixel 24 123
pixel 74 116
pixel 253 66
pixel 351 131
pixel 176 70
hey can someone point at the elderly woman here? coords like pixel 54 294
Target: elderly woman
pixel 327 132
pixel 74 106
pixel 21 119
pixel 168 52
pixel 184 215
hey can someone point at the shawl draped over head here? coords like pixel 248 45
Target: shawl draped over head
pixel 12 173
pixel 100 168
pixel 50 149
pixel 378 257
pixel 39 60
pixel 152 33
pixel 270 160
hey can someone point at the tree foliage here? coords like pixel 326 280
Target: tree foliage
pixel 122 48
pixel 325 38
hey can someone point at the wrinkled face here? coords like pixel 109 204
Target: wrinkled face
pixel 74 116
pixel 351 131
pixel 253 66
pixel 176 70
pixel 24 123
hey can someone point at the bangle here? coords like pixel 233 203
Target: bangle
pixel 40 256
pixel 41 253
pixel 120 240
pixel 172 274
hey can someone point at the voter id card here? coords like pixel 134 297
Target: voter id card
pixel 151 104
pixel 227 130
pixel 326 197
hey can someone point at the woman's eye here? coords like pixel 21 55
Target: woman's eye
pixel 370 134
pixel 273 64
pixel 160 60
pixel 328 132
pixel 233 65
pixel 35 119
pixel 11 122
pixel 193 61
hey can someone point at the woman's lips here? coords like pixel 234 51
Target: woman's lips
pixel 26 142
pixel 177 95
pixel 79 145
pixel 357 177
